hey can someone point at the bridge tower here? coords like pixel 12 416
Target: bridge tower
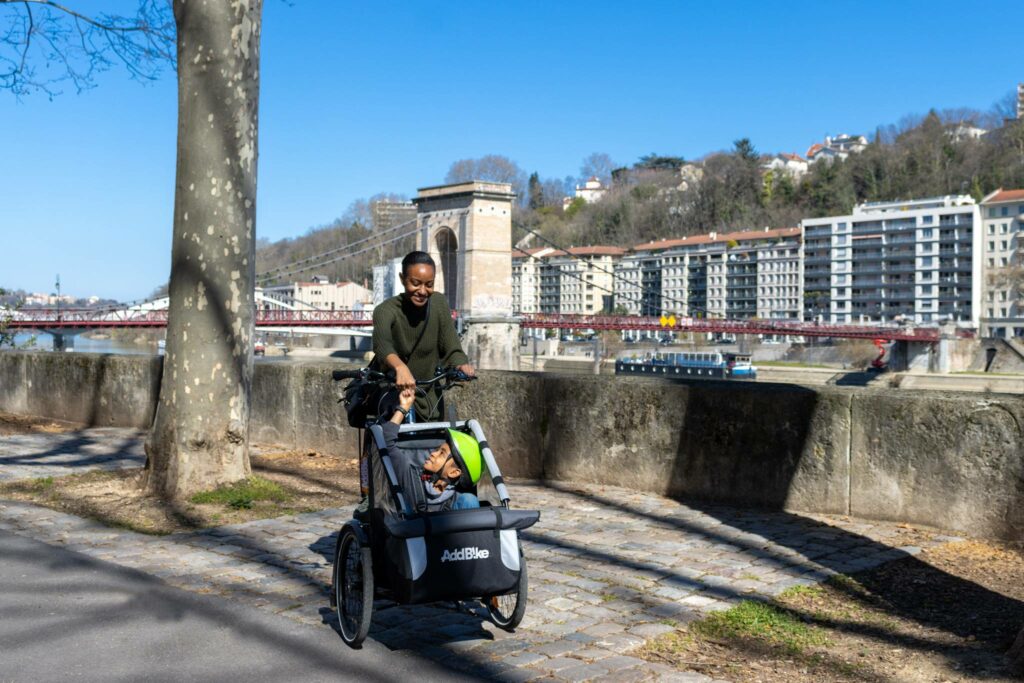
pixel 467 229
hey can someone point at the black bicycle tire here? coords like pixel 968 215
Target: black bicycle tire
pixel 519 611
pixel 353 637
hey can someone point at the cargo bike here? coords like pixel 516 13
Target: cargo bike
pixel 400 550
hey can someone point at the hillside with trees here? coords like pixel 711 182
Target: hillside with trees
pixel 663 196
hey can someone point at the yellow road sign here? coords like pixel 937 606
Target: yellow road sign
pixel 664 321
pixel 671 321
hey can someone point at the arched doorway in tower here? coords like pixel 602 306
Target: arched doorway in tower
pixel 448 250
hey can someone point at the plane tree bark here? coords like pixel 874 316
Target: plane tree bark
pixel 200 435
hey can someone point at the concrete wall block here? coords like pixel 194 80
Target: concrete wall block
pixel 14 382
pixel 65 386
pixel 127 390
pixel 510 407
pixel 273 405
pixel 320 421
pixel 952 462
pixel 745 444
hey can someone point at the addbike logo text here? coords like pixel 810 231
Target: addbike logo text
pixel 465 554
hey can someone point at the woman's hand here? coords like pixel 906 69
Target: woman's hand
pixel 403 378
pixel 467 370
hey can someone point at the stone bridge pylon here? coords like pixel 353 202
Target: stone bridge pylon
pixel 467 229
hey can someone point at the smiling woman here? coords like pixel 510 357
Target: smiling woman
pixel 413 333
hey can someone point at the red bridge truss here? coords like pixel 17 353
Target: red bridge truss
pixel 734 327
pixel 83 319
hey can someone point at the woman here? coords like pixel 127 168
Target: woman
pixel 413 333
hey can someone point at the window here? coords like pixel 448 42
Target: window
pixel 927 220
pixel 1005 228
pixel 926 260
pixel 991 246
pixel 1002 244
pixel 991 228
pixel 991 263
pixel 926 289
pixel 992 212
pixel 1005 211
pixel 926 233
pixel 1002 261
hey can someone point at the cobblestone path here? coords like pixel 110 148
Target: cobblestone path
pixel 609 568
pixel 28 456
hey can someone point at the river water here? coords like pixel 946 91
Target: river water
pixel 44 342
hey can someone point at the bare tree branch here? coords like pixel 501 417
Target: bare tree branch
pixel 53 44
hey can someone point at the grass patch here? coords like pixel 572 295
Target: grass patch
pixel 241 495
pixel 41 484
pixel 759 621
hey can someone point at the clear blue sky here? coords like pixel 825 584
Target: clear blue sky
pixel 360 98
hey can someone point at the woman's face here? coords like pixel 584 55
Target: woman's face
pixel 418 281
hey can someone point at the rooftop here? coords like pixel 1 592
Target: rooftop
pixel 710 238
pixel 1002 195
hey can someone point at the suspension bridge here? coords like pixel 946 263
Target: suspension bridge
pixel 460 226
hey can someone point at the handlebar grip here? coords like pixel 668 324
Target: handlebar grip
pixel 338 375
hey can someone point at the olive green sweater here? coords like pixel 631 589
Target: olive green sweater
pixel 397 323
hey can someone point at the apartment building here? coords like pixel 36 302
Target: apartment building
pixel 577 281
pixel 321 294
pixel 526 274
pixel 739 275
pixel 1002 238
pixel 915 260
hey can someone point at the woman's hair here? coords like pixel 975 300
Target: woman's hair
pixel 415 258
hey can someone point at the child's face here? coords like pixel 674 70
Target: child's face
pixel 440 460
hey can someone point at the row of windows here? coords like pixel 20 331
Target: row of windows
pixel 1004 228
pixel 1002 211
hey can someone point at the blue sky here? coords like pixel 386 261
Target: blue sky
pixel 360 98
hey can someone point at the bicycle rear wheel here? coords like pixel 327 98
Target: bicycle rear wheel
pixel 507 610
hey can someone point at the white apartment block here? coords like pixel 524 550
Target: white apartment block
pixel 578 281
pixel 321 294
pixel 738 275
pixel 526 272
pixel 915 260
pixel 585 277
pixel 1002 238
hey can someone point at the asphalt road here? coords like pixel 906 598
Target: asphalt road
pixel 67 616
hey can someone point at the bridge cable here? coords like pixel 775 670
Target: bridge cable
pixel 346 256
pixel 349 245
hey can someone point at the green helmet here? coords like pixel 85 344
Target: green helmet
pixel 466 453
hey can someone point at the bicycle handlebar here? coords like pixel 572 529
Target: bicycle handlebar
pixel 453 375
pixel 338 375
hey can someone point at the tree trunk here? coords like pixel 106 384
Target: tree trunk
pixel 200 435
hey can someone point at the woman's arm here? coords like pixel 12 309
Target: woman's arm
pixel 384 347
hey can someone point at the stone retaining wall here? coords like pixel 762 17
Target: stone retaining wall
pixel 946 460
